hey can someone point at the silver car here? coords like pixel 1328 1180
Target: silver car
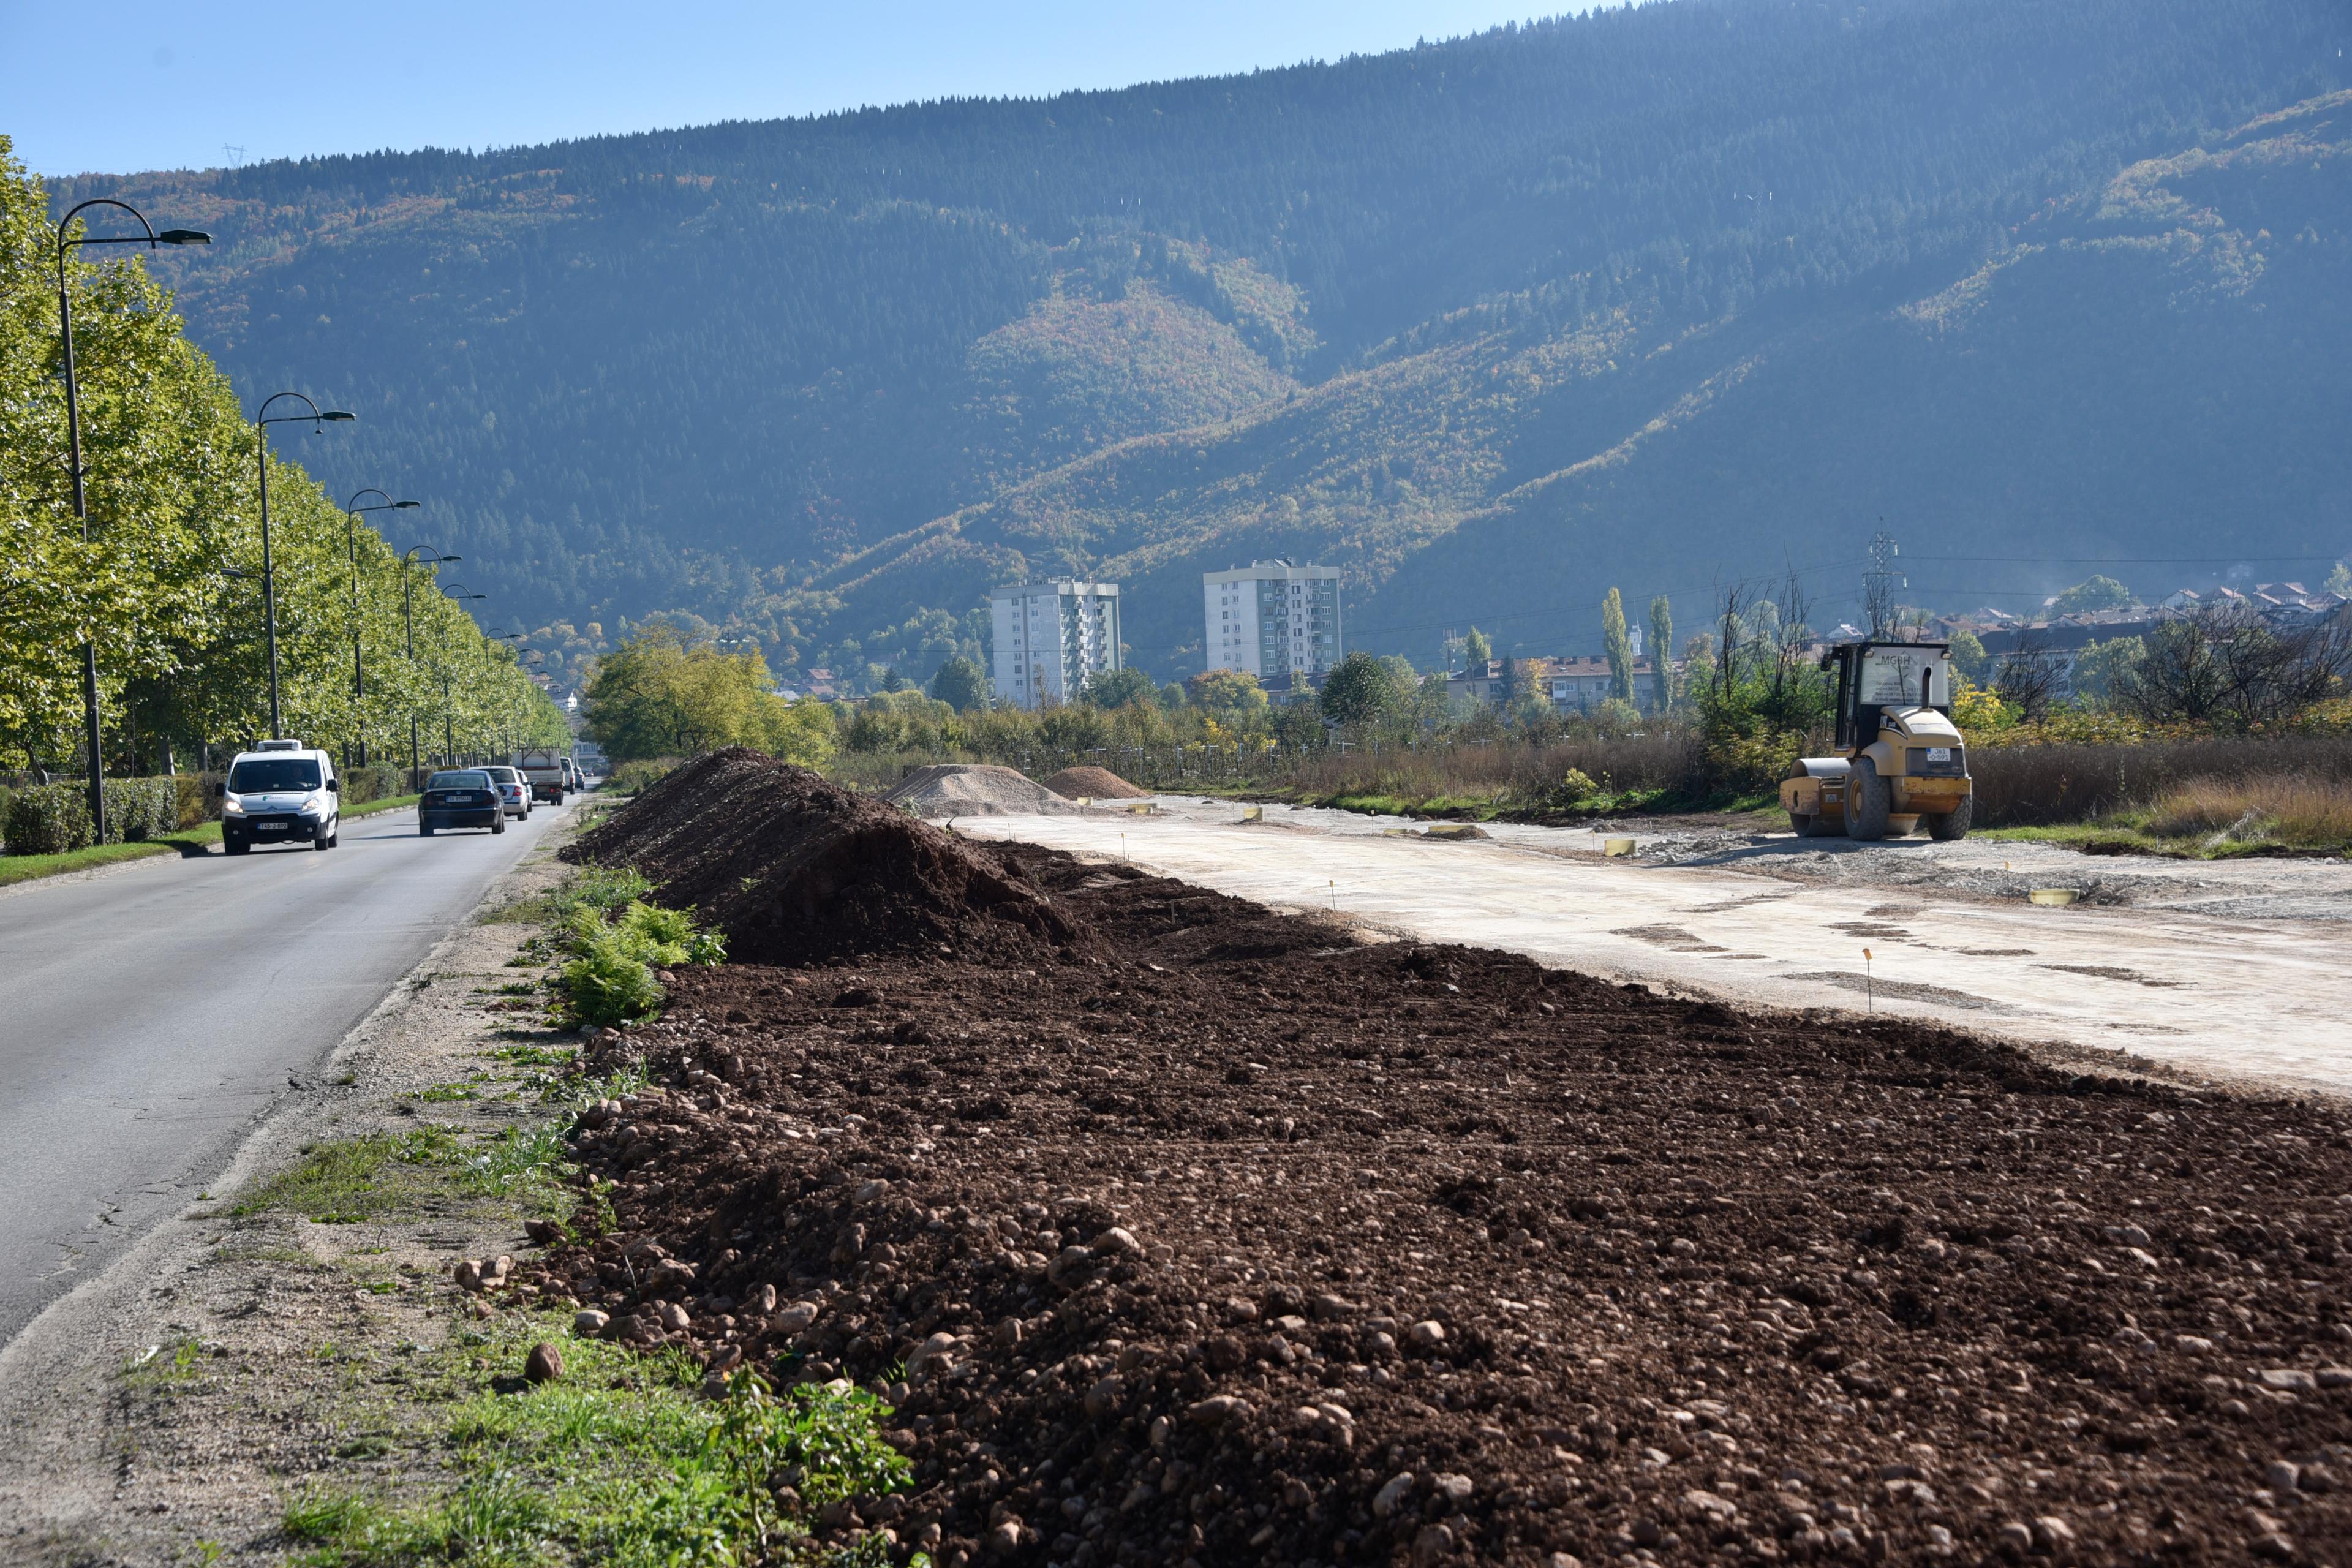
pixel 514 791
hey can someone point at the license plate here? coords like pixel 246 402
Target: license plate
pixel 1940 753
pixel 269 828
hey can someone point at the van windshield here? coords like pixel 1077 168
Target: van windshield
pixel 469 779
pixel 261 776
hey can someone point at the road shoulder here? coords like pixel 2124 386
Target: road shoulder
pixel 157 1413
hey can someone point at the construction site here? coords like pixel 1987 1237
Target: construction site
pixel 1210 1185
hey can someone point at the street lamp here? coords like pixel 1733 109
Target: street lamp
pixel 262 421
pixel 408 621
pixel 151 240
pixel 352 511
pixel 448 719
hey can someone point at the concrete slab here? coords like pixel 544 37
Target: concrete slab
pixel 2159 977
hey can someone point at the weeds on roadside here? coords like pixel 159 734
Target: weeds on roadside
pixel 610 980
pixel 620 1462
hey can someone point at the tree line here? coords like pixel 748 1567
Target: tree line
pixel 168 586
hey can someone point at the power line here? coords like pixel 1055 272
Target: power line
pixel 1359 634
pixel 2120 560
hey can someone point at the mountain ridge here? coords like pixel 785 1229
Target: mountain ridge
pixel 724 370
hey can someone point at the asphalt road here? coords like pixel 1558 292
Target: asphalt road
pixel 148 1017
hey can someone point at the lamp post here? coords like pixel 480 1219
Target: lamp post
pixel 66 241
pixel 448 719
pixel 352 511
pixel 262 421
pixel 408 621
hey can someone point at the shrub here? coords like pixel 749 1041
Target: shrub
pixel 52 819
pixel 606 986
pixel 664 932
pixel 141 809
pixel 376 781
pixel 194 798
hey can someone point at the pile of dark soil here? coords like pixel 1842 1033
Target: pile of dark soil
pixel 1250 1245
pixel 1094 784
pixel 798 870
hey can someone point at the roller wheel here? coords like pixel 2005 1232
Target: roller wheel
pixel 1807 824
pixel 1868 802
pixel 1955 823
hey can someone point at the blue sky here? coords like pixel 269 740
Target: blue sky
pixel 171 84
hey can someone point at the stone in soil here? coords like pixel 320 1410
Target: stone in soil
pixel 1396 1275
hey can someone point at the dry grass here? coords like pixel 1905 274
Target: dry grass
pixel 1504 773
pixel 2043 787
pixel 2307 810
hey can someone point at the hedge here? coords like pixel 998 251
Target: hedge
pixel 377 781
pixel 53 819
pixel 49 820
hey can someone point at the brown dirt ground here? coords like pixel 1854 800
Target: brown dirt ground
pixel 1221 1237
pixel 1094 784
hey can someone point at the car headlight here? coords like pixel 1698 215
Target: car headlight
pixel 232 806
pixel 314 805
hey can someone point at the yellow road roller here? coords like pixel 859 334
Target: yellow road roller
pixel 1899 759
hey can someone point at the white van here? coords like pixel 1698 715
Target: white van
pixel 281 791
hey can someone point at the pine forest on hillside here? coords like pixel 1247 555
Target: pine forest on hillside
pixel 1660 296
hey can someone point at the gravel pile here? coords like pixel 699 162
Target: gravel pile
pixel 798 870
pixel 1240 1243
pixel 965 789
pixel 1094 784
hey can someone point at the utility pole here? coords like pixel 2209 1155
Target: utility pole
pixel 1879 585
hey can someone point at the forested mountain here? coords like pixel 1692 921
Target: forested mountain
pixel 1655 296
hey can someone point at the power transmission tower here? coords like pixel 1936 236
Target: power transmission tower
pixel 1879 584
pixel 235 155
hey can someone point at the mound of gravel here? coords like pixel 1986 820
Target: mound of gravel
pixel 1094 784
pixel 796 870
pixel 968 789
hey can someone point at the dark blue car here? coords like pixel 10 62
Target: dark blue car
pixel 460 797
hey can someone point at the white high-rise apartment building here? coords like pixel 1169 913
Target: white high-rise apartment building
pixel 1271 619
pixel 1050 637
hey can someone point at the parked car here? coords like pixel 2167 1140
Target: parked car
pixel 281 791
pixel 572 779
pixel 460 797
pixel 513 789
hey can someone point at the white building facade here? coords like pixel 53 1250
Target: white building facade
pixel 1271 619
pixel 1050 637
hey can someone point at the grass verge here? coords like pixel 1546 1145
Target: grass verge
pixel 622 1460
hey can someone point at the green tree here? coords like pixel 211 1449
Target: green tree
pixel 657 695
pixel 173 513
pixel 1476 650
pixel 1117 688
pixel 1661 652
pixel 1226 690
pixel 1618 643
pixel 2340 581
pixel 961 684
pixel 2098 593
pixel 2102 669
pixel 1968 656
pixel 1361 690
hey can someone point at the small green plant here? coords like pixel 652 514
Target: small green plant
pixel 606 986
pixel 621 1462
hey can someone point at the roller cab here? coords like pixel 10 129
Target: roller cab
pixel 1900 762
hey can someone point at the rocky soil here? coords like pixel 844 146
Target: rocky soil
pixel 1181 1231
